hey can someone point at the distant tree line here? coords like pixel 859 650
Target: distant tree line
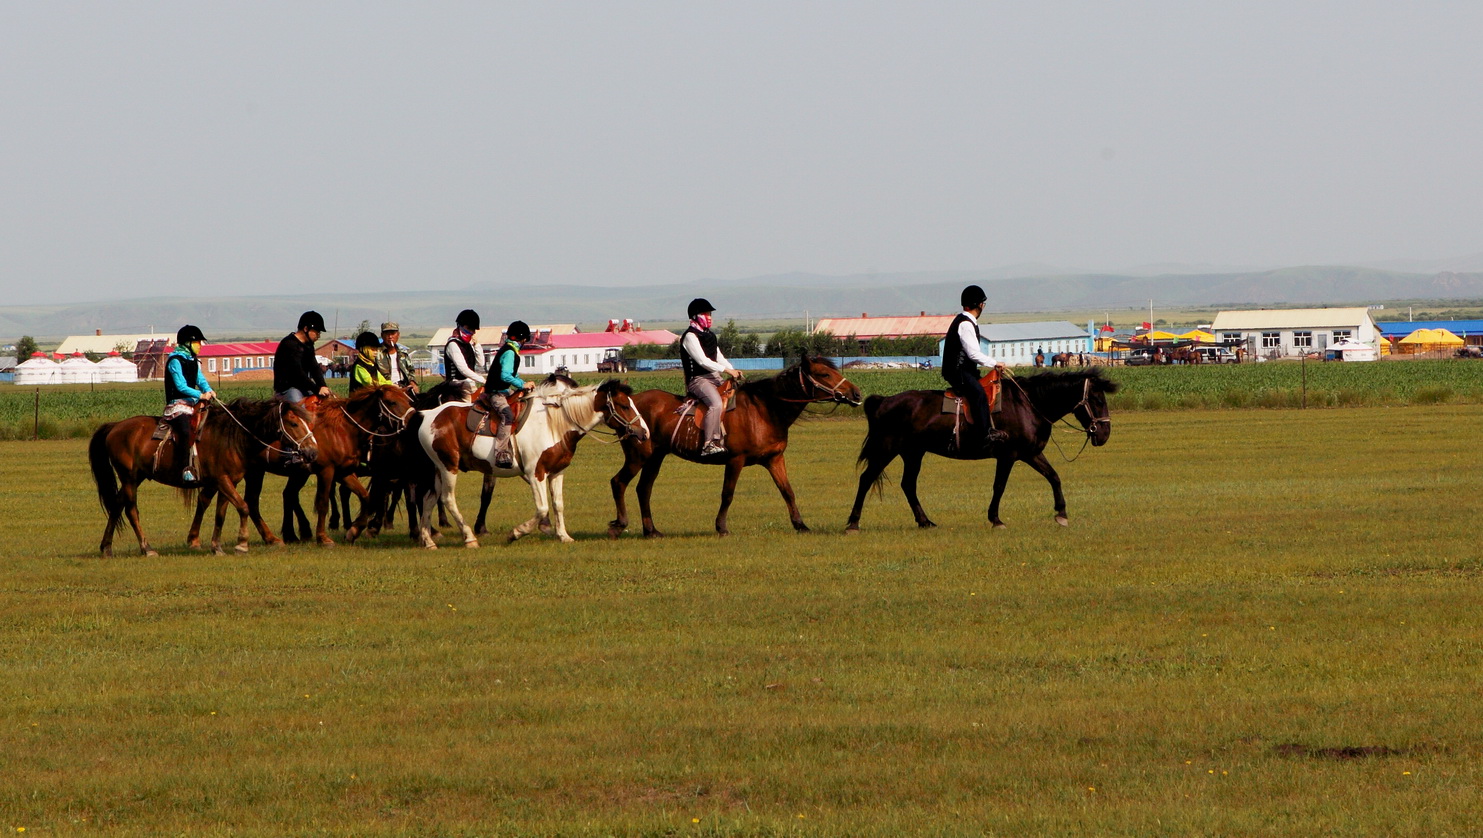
pixel 789 343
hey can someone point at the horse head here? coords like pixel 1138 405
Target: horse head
pixel 1092 410
pixel 821 381
pixel 615 402
pixel 296 430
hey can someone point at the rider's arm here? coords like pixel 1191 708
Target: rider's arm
pixel 690 345
pixel 177 378
pixel 969 339
pixel 455 355
pixel 507 376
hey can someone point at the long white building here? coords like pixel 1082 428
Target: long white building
pixel 1277 333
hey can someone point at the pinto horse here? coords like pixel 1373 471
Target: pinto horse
pixel 756 434
pixel 556 416
pixel 911 424
pixel 231 437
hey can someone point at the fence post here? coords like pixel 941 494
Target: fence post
pixel 36 418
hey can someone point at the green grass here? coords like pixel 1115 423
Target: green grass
pixel 1259 622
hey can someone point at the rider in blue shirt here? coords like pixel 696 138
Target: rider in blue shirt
pixel 501 384
pixel 186 388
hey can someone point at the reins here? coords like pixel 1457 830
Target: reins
pixel 282 428
pixel 395 421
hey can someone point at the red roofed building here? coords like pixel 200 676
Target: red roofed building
pixel 582 352
pixel 231 358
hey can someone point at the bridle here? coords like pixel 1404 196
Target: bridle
pixel 1089 429
pixel 282 430
pixel 1092 420
pixel 390 418
pixel 807 380
pixel 627 427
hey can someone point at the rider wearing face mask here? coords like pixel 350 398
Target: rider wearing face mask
pixel 705 370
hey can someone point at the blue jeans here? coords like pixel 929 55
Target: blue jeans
pixel 292 394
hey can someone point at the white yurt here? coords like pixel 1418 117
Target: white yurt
pixel 38 370
pixel 77 370
pixel 1353 350
pixel 117 368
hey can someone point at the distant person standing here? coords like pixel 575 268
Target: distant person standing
pixel 961 358
pixel 394 361
pixel 296 371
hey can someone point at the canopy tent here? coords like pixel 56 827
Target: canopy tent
pixel 1351 350
pixel 1200 335
pixel 1429 340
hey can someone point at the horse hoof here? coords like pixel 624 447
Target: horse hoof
pixel 217 551
pixel 566 539
pixel 851 530
pixel 653 534
pixel 107 554
pixel 326 542
pixel 1061 519
pixel 471 543
pixel 926 525
pixel 373 532
pixel 240 548
pixel 614 532
pixel 274 542
pixel 150 553
pixel 801 527
pixel 512 538
pixel 352 534
pixel 1001 526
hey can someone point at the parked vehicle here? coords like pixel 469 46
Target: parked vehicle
pixel 612 362
pixel 1216 354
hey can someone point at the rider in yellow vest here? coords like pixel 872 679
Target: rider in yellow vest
pixel 366 371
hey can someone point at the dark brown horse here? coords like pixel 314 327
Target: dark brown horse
pixel 911 424
pixel 123 455
pixel 345 430
pixel 756 434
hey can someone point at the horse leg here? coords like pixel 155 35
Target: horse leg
pixel 486 494
pixel 229 495
pixel 293 513
pixel 645 490
pixel 354 528
pixel 203 500
pixel 253 482
pixel 873 468
pixel 558 507
pixel 728 491
pixel 779 470
pixel 619 484
pixel 129 494
pixel 218 520
pixel 334 521
pixel 911 462
pixel 324 497
pixel 422 523
pixel 542 518
pixel 1002 468
pixel 1042 465
pixel 447 486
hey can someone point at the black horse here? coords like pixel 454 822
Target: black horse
pixel 911 424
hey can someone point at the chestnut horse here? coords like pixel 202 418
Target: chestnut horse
pixel 756 434
pixel 911 424
pixel 555 417
pixel 231 437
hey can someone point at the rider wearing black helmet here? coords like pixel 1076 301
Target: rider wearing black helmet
pixel 296 371
pixel 504 380
pixel 705 369
pixel 186 387
pixel 961 357
pixel 460 358
pixel 365 372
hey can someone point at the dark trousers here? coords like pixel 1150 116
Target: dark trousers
pixel 967 385
pixel 180 428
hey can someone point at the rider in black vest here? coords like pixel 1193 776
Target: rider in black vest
pixel 961 357
pixel 296 371
pixel 705 370
pixel 186 387
pixel 460 359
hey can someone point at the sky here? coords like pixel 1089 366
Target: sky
pixel 202 148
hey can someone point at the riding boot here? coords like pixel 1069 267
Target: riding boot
pixel 180 435
pixel 503 456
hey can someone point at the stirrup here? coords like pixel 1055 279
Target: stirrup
pixel 712 448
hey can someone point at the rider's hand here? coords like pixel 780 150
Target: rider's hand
pixel 324 392
pixel 209 395
pixel 529 385
pixel 734 374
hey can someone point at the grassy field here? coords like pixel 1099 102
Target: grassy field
pixel 1258 623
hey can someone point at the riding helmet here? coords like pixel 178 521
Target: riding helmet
pixel 311 321
pixel 468 319
pixel 700 305
pixel 188 335
pixel 365 340
pixel 973 296
pixel 518 331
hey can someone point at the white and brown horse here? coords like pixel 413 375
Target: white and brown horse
pixel 557 415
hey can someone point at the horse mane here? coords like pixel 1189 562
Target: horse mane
pixel 1049 380
pixel 257 415
pixel 762 386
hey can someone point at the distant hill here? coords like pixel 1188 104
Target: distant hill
pixel 784 296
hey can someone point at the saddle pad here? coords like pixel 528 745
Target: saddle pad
pixel 161 431
pixel 477 422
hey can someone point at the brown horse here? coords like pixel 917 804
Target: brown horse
pixel 345 430
pixel 911 424
pixel 756 434
pixel 231 437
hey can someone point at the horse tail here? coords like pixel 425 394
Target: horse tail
pixel 103 476
pixel 871 407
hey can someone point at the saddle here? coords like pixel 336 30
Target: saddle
pixel 690 406
pixel 481 421
pixel 957 405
